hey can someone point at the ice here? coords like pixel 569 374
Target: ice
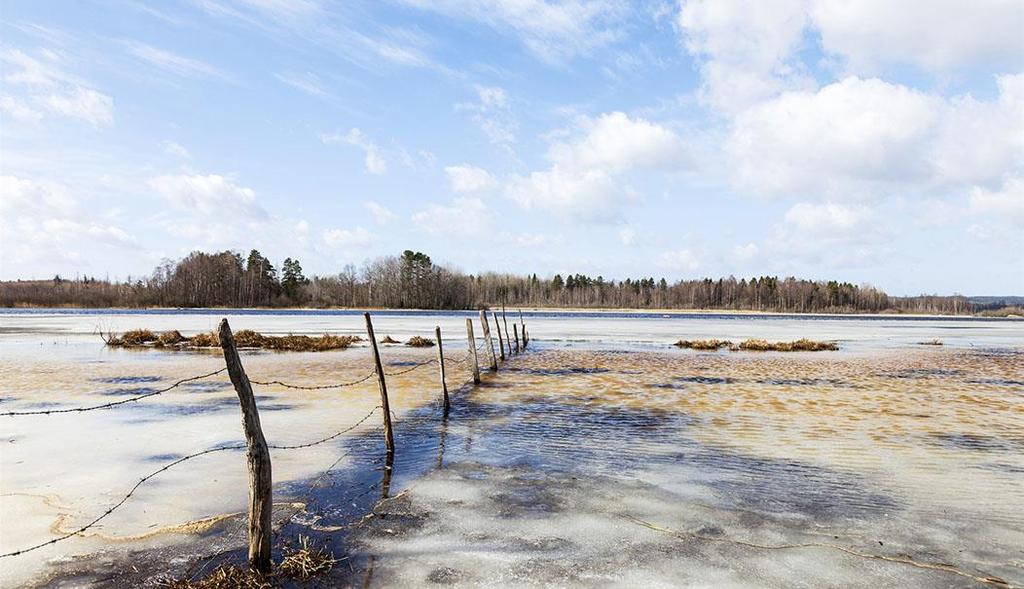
pixel 540 475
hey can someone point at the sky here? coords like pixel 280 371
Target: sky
pixel 872 142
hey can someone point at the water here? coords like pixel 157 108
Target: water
pixel 602 457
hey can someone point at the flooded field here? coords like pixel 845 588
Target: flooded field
pixel 601 457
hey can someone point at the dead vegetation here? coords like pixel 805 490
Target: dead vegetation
pixel 703 344
pixel 389 340
pixel 300 563
pixel 931 342
pixel 800 345
pixel 419 342
pixel 224 577
pixel 306 561
pixel 245 338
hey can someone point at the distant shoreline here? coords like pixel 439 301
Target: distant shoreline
pixel 511 310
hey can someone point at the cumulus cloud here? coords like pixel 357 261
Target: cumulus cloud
pixel 374 161
pixel 380 213
pixel 464 216
pixel 1007 201
pixel 829 219
pixel 347 238
pixel 210 195
pixel 467 178
pixel 582 181
pixel 680 261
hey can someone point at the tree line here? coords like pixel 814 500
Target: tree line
pixel 413 281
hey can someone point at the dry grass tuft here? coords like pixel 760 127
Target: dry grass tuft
pixel 245 338
pixel 419 342
pixel 703 344
pixel 389 340
pixel 931 342
pixel 800 345
pixel 305 562
pixel 224 577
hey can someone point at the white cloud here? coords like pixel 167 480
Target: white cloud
pixel 617 143
pixel 860 138
pixel 381 214
pixel 931 34
pixel 492 114
pixel 374 161
pixel 829 220
pixel 683 260
pixel 83 103
pixel 1008 201
pixel 627 236
pixel 583 179
pixel 347 238
pixel 553 30
pixel 172 62
pixel 307 82
pixel 210 195
pixel 176 149
pixel 19 110
pixel 746 251
pixel 464 216
pixel 467 178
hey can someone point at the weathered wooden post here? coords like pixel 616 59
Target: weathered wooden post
pixel 501 342
pixel 526 338
pixel 474 365
pixel 508 334
pixel 515 332
pixel 440 364
pixel 389 440
pixel 257 457
pixel 488 340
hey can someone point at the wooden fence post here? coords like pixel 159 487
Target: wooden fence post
pixel 515 332
pixel 389 440
pixel 526 338
pixel 508 334
pixel 440 364
pixel 257 455
pixel 501 342
pixel 488 340
pixel 474 366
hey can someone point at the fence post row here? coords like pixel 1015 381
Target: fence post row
pixel 389 440
pixel 440 364
pixel 257 457
pixel 487 339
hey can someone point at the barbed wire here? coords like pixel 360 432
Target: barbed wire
pixel 315 387
pixel 328 438
pixel 172 464
pixel 115 403
pixel 414 367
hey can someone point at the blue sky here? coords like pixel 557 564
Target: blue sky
pixel 873 142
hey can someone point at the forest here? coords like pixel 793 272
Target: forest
pixel 413 281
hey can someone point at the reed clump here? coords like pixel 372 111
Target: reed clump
pixel 305 561
pixel 931 342
pixel 224 577
pixel 800 345
pixel 703 344
pixel 419 342
pixel 244 338
pixel 389 340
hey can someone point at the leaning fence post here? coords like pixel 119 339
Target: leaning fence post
pixel 257 457
pixel 501 342
pixel 515 331
pixel 474 366
pixel 488 340
pixel 508 334
pixel 389 440
pixel 440 364
pixel 526 338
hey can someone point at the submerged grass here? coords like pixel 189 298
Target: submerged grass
pixel 419 342
pixel 301 563
pixel 703 344
pixel 800 345
pixel 245 338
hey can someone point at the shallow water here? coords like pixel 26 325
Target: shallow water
pixel 601 457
